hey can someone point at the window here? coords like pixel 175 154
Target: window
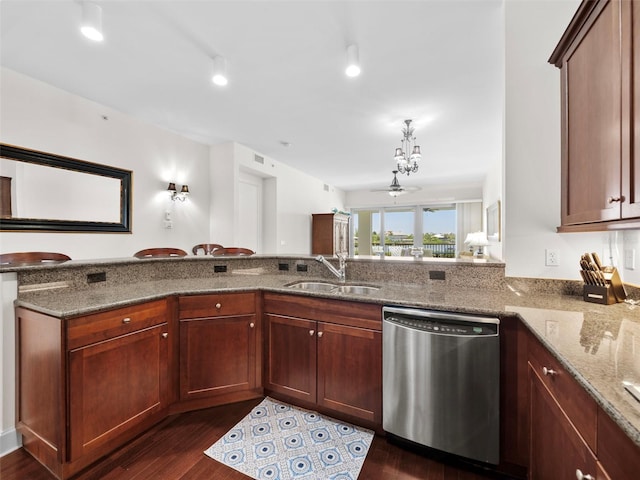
pixel 405 231
pixel 439 231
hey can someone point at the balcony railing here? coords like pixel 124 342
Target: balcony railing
pixel 441 250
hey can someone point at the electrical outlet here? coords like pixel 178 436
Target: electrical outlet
pixel 630 259
pixel 552 257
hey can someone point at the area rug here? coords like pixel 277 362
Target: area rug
pixel 279 441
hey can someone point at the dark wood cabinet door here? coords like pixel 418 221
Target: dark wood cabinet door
pixel 591 116
pixel 350 370
pixel 217 356
pixel 557 450
pixel 291 357
pixel 115 385
pixel 631 109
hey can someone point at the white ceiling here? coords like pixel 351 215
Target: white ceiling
pixel 437 62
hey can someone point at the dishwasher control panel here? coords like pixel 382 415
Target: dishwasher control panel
pixel 442 323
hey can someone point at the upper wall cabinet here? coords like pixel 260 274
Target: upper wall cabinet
pixel 599 59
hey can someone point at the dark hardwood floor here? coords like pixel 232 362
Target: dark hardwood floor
pixel 173 450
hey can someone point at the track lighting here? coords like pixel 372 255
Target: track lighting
pixel 220 71
pixel 91 26
pixel 353 62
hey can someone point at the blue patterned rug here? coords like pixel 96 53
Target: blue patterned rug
pixel 279 441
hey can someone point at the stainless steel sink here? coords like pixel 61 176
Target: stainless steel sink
pixel 356 289
pixel 313 286
pixel 333 288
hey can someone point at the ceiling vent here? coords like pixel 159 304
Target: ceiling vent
pixel 258 159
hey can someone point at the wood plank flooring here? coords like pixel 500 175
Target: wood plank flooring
pixel 173 450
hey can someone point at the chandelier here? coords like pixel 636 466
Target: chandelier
pixel 407 163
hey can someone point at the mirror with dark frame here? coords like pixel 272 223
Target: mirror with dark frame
pixel 46 192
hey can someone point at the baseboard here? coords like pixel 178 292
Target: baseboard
pixel 10 440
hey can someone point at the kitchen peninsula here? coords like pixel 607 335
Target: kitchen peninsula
pixel 592 344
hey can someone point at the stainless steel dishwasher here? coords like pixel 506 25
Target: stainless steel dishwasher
pixel 441 381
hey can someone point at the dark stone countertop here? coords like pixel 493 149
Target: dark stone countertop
pixel 599 345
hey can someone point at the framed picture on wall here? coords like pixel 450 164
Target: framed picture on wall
pixel 493 222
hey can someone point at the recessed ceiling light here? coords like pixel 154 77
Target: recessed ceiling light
pixel 91 26
pixel 353 62
pixel 220 71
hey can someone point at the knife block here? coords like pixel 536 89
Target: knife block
pixel 599 294
pixel 612 292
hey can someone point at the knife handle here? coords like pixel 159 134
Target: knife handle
pixel 596 260
pixel 585 278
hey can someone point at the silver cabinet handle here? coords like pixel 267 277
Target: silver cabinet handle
pixel 218 306
pixel 311 332
pixel 583 476
pixel 252 325
pixel 320 334
pixel 126 320
pixel 165 335
pixel 615 199
pixel 548 371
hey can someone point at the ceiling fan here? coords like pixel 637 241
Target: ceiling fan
pixel 395 188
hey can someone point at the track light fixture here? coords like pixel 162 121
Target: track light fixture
pixel 91 26
pixel 220 71
pixel 353 61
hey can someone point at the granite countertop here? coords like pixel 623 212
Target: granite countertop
pixel 599 345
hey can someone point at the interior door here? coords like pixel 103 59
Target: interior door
pixel 250 212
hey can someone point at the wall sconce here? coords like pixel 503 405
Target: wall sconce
pixel 184 191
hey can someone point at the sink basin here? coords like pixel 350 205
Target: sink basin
pixel 313 286
pixel 356 289
pixel 332 287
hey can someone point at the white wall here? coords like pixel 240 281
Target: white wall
pixel 38 116
pixel 289 198
pixel 8 291
pixel 532 145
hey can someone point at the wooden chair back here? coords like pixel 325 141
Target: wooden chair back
pixel 22 258
pixel 232 251
pixel 160 252
pixel 207 248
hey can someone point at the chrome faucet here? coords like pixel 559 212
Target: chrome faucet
pixel 340 273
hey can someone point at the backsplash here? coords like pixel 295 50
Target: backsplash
pixel 103 273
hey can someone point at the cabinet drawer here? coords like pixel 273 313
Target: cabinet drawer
pixel 217 305
pixel 572 398
pixel 90 329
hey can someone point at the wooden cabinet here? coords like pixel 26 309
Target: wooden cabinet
pixel 563 420
pixel 219 348
pixel 291 346
pixel 90 383
pixel 557 450
pixel 325 354
pixel 569 431
pixel 330 234
pixel 598 56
